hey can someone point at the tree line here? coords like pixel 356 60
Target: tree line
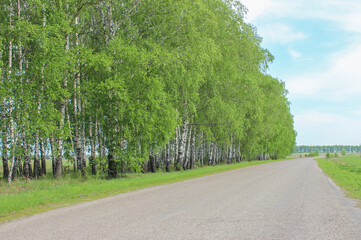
pixel 135 85
pixel 327 148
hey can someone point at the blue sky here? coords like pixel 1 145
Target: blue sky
pixel 317 49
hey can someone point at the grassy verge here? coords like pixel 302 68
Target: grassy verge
pixel 24 199
pixel 346 172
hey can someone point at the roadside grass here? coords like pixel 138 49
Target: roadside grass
pixel 28 198
pixel 346 172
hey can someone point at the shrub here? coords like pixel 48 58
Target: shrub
pixel 313 154
pixel 343 152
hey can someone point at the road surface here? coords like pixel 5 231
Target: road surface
pixel 283 200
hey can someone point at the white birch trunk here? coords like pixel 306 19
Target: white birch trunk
pixel 20 72
pixel 4 143
pixel 210 150
pixel 77 104
pixel 42 156
pixel 37 169
pixel 53 154
pixel 12 141
pixel 215 161
pixel 12 132
pixel 229 157
pixel 4 132
pixel 176 145
pixel 72 143
pixel 189 147
pixel 104 20
pixel 182 143
pixel 193 149
pixel 93 147
pixel 167 156
pixel 100 148
pixel 59 161
pixel 83 140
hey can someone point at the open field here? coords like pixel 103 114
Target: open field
pixel 346 172
pixel 22 199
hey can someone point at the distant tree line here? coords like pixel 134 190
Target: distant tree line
pixel 138 85
pixel 327 149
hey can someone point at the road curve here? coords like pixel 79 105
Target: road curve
pixel 282 200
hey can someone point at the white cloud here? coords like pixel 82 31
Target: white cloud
pixel 357 112
pixel 345 14
pixel 280 33
pixel 256 8
pixel 319 128
pixel 294 54
pixel 301 86
pixel 342 77
pixel 340 81
pixel 313 118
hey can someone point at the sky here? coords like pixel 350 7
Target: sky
pixel 317 50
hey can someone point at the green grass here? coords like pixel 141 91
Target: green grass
pixel 346 172
pixel 24 199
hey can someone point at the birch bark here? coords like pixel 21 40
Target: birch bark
pixel 59 160
pixel 176 147
pixel 72 144
pixel 77 108
pixel 188 148
pixel 11 120
pixel 42 156
pixel 167 156
pixel 93 147
pixel 4 132
pixel 83 140
pixel 182 144
pixel 192 149
pixel 12 143
pixel 53 153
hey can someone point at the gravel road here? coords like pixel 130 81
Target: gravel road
pixel 284 200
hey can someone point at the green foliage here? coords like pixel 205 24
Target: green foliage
pixel 126 74
pixel 343 152
pixel 314 154
pixel 328 155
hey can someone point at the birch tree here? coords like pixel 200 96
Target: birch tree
pixel 135 82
